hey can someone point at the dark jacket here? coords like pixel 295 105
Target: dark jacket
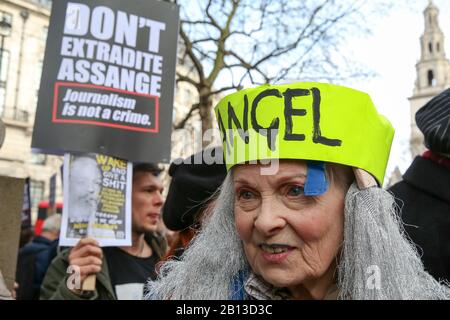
pixel 424 195
pixel 32 264
pixel 54 286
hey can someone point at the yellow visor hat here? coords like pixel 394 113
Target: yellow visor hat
pixel 307 121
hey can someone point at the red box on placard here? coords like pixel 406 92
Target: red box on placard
pixel 98 123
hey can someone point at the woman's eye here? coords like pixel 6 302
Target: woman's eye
pixel 295 191
pixel 246 195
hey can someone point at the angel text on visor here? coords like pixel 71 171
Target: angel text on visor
pixel 290 111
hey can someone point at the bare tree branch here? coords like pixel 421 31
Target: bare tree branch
pixel 208 13
pixel 224 89
pixel 219 61
pixel 190 53
pixel 182 78
pixel 265 41
pixel 182 123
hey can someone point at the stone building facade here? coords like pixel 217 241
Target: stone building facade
pixel 23 32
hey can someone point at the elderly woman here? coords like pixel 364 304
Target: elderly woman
pixel 300 214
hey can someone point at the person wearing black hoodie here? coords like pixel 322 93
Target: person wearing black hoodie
pixel 35 257
pixel 424 193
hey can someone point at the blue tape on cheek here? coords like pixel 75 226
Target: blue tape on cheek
pixel 316 181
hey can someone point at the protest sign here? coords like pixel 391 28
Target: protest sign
pixel 97 200
pixel 108 79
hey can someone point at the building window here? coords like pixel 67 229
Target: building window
pixel 437 47
pixel 431 79
pixel 36 192
pixel 44 33
pixel 5 31
pixel 38 158
pixel 430 47
pixel 2 100
pixel 45 3
pixel 38 76
pixel 4 58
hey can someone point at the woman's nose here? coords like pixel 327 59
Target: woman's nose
pixel 269 219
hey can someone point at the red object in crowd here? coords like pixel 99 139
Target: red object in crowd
pixel 43 210
pixel 443 161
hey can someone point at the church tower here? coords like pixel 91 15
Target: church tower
pixel 433 72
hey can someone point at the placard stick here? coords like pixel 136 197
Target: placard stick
pixel 89 283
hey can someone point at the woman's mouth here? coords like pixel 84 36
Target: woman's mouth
pixel 275 252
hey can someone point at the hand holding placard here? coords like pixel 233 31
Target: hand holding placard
pixel 87 257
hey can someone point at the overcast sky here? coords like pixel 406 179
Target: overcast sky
pixel 392 52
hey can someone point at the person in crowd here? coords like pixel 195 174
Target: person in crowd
pixel 424 193
pixel 301 214
pixel 35 257
pixel 169 235
pixel 120 271
pixel 194 183
pixel 26 236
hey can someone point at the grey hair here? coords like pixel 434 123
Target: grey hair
pixel 373 240
pixel 378 261
pixel 211 261
pixel 52 223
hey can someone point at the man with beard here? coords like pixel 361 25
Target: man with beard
pixel 120 272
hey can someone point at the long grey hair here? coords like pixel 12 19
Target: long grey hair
pixel 377 260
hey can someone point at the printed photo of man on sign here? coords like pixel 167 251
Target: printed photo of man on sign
pixel 97 200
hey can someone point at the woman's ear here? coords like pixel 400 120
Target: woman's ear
pixel 364 179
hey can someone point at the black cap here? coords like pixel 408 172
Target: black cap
pixel 433 119
pixel 193 182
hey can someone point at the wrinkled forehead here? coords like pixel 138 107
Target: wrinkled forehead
pixel 257 170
